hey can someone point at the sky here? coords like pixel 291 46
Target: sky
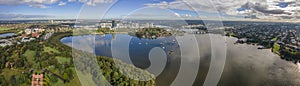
pixel 275 10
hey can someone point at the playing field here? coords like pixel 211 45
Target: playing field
pixel 3 28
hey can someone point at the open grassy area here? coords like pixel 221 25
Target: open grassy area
pixel 4 28
pixel 8 30
pixel 275 39
pixel 62 60
pixel 49 49
pixel 30 54
pixel 276 48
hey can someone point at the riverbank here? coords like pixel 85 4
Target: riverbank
pixel 107 66
pixel 248 66
pixel 284 52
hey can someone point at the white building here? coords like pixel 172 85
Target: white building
pixel 5 43
pixel 34 30
pixel 27 39
pixel 106 25
pixel 28 31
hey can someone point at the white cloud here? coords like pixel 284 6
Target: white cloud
pixel 176 14
pixel 62 3
pixel 31 3
pixel 95 2
pixel 71 0
pixel 22 16
pixel 263 9
pixel 38 6
pixel 44 3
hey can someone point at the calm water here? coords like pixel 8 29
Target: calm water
pixel 6 34
pixel 245 64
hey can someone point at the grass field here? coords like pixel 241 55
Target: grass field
pixel 30 54
pixel 8 30
pixel 3 28
pixel 276 48
pixel 62 60
pixel 49 49
pixel 275 39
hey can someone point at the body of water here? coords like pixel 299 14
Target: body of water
pixel 6 34
pixel 245 64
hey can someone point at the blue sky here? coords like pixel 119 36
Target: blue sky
pixel 94 9
pixel 70 10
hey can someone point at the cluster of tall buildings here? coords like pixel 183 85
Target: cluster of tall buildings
pixel 113 24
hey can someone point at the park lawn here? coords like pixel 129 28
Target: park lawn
pixel 49 49
pixel 8 30
pixel 30 54
pixel 62 60
pixel 275 39
pixel 4 28
pixel 20 32
pixel 276 48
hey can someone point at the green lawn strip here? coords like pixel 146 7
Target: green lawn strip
pixel 276 48
pixel 30 54
pixel 4 28
pixel 49 49
pixel 8 30
pixel 274 39
pixel 62 60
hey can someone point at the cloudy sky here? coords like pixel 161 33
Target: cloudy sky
pixel 287 10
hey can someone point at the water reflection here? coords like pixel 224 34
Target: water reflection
pixel 6 35
pixel 245 64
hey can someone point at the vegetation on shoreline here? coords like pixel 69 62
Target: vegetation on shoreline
pixel 152 33
pixel 283 51
pixel 45 57
pixel 110 72
pixel 104 30
pixel 8 30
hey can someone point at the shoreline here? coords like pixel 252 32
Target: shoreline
pixel 270 49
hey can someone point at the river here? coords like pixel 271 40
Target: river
pixel 245 64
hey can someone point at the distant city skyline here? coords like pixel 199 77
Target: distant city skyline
pixel 252 10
